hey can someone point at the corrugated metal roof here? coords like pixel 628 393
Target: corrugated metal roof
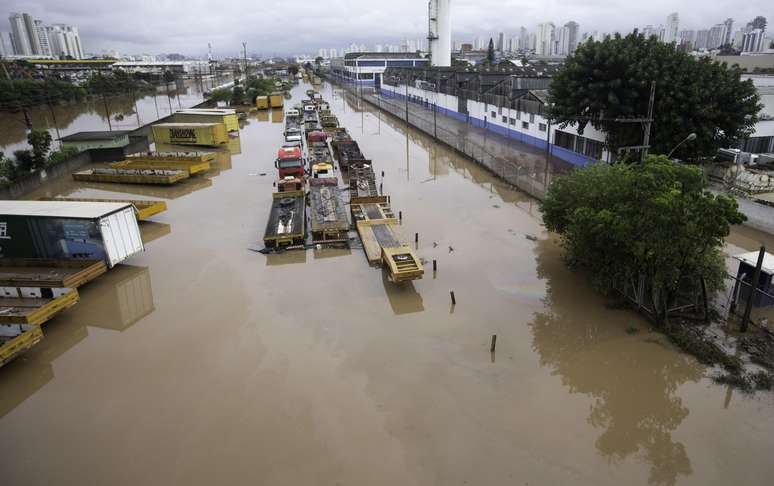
pixel 60 209
pixel 207 111
pixel 185 125
pixel 103 135
pixel 752 260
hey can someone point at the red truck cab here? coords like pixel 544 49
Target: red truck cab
pixel 316 136
pixel 289 162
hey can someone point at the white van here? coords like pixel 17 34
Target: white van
pixel 292 113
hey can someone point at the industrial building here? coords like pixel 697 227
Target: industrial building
pixel 510 101
pixel 367 68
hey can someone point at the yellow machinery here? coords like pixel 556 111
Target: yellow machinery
pixel 209 115
pixel 276 100
pixel 210 134
pixel 262 102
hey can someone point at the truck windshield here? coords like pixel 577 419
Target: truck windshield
pixel 289 164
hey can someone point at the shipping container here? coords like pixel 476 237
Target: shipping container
pixel 262 102
pixel 276 100
pixel 69 230
pixel 210 134
pixel 209 115
pixel 145 208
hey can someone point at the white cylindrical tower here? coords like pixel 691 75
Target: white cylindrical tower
pixel 439 32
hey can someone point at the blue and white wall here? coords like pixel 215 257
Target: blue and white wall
pixel 525 127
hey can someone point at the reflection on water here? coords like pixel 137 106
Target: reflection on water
pixel 125 113
pixel 289 257
pixel 263 115
pixel 633 386
pixel 277 116
pixel 151 230
pixel 403 297
pixel 179 189
pixel 121 297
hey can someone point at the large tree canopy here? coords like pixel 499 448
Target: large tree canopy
pixel 611 79
pixel 655 219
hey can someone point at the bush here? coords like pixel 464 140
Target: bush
pixel 655 219
pixel 61 155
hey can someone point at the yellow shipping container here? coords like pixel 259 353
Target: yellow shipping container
pixel 190 133
pixel 276 100
pixel 262 102
pixel 226 117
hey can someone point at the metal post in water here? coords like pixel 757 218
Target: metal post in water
pixel 400 216
pixel 753 288
pixel 454 301
pixel 435 265
pixel 416 237
pixel 494 343
pixel 107 112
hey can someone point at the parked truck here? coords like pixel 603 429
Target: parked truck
pixel 290 163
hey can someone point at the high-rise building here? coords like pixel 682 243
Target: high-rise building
pixel 671 28
pixel 568 39
pixel 500 42
pixel 20 39
pixel 729 23
pixel 716 36
pixel 753 41
pixel 524 39
pixel 701 39
pixel 42 35
pixel 545 39
pixel 4 50
pixel 65 41
pixel 688 39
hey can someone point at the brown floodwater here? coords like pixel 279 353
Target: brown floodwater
pixel 92 114
pixel 202 362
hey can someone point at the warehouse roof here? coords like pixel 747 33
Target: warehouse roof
pixel 207 111
pixel 60 209
pixel 102 135
pixel 383 55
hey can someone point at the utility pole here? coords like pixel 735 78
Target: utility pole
pixel 753 289
pixel 107 112
pixel 548 151
pixel 649 122
pixel 53 115
pixel 244 55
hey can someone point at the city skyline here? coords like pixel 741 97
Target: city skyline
pixel 345 22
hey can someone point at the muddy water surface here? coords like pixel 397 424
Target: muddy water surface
pixel 202 362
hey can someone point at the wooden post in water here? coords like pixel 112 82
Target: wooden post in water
pixel 753 288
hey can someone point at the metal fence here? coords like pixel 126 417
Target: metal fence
pixel 523 170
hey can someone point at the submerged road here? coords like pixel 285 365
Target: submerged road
pixel 201 362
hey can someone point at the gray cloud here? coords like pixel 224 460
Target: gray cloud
pixel 296 26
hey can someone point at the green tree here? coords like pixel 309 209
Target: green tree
pixel 293 69
pixel 610 79
pixel 655 219
pixel 490 52
pixel 237 95
pixel 40 140
pixel 8 169
pixel 168 76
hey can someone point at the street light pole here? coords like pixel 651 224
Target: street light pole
pixel 691 137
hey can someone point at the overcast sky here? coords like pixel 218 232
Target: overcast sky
pixel 303 26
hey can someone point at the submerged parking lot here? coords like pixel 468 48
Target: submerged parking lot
pixel 203 362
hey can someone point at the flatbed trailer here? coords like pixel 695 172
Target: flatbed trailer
pixel 362 186
pixel 16 273
pixel 33 310
pixel 131 176
pixel 16 339
pixel 382 247
pixel 348 153
pixel 190 167
pixel 373 211
pixel 144 209
pixel 287 220
pixel 319 153
pixel 328 212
